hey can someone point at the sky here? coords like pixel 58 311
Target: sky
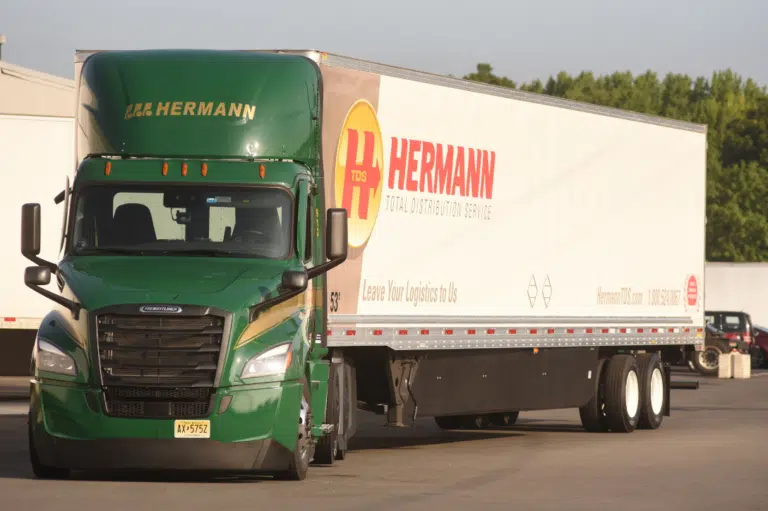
pixel 522 40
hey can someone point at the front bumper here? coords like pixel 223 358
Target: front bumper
pixel 256 431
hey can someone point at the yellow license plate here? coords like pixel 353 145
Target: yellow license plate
pixel 192 429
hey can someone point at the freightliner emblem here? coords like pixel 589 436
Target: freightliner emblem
pixel 162 309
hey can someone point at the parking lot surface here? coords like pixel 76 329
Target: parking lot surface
pixel 711 454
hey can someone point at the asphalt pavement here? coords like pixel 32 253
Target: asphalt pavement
pixel 711 454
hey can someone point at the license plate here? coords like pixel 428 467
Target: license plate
pixel 733 344
pixel 192 429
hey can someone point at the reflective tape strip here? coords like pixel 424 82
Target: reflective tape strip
pixel 510 337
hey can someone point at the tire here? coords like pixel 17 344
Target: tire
pixel 593 414
pixel 449 422
pixel 303 449
pixel 652 391
pixel 503 418
pixel 42 471
pixel 622 394
pixel 327 448
pixel 475 421
pixel 707 362
pixel 757 357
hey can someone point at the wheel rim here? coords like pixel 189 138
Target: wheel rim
pixel 632 394
pixel 709 358
pixel 304 432
pixel 657 391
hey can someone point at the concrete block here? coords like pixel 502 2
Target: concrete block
pixel 725 369
pixel 742 366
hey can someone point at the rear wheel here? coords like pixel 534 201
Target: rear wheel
pixel 708 361
pixel 593 413
pixel 652 391
pixel 327 449
pixel 503 418
pixel 757 358
pixel 622 394
pixel 449 422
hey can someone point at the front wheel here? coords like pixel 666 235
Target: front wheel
pixel 42 471
pixel 303 449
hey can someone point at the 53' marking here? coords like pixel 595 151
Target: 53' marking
pixel 335 297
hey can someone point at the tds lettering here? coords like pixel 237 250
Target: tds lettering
pixel 365 175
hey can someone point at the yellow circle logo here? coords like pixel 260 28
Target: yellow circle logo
pixel 360 171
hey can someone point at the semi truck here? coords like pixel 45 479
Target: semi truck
pixel 261 243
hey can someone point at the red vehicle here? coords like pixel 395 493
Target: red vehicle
pixel 759 348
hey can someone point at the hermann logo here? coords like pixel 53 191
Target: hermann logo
pixel 360 171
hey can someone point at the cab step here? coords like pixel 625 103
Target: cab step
pixel 322 430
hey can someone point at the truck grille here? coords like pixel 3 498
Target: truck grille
pixel 158 366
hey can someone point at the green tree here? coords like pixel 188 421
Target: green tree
pixel 736 114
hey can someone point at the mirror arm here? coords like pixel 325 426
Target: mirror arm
pixel 69 304
pixel 42 262
pixel 318 270
pixel 255 310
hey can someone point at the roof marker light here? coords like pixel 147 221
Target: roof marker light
pixel 204 169
pixel 165 168
pixel 184 169
pixel 107 168
pixel 262 171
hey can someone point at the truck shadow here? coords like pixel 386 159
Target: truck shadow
pixel 14 455
pixel 424 434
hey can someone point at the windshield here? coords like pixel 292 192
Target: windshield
pixel 183 220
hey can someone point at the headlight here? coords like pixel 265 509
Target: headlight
pixel 274 361
pixel 52 359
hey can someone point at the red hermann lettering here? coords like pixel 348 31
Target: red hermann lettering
pixel 459 176
pixel 443 170
pixel 486 179
pixel 364 176
pixel 427 164
pixel 473 172
pixel 397 164
pixel 414 146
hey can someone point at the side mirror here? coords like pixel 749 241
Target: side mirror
pixel 37 276
pixel 336 241
pixel 295 280
pixel 336 234
pixel 30 230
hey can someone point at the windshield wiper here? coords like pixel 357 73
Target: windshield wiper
pixel 202 252
pixel 110 250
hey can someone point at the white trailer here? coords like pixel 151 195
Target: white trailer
pixel 36 154
pixel 738 287
pixel 517 249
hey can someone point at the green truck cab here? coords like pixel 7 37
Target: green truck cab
pixel 186 332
